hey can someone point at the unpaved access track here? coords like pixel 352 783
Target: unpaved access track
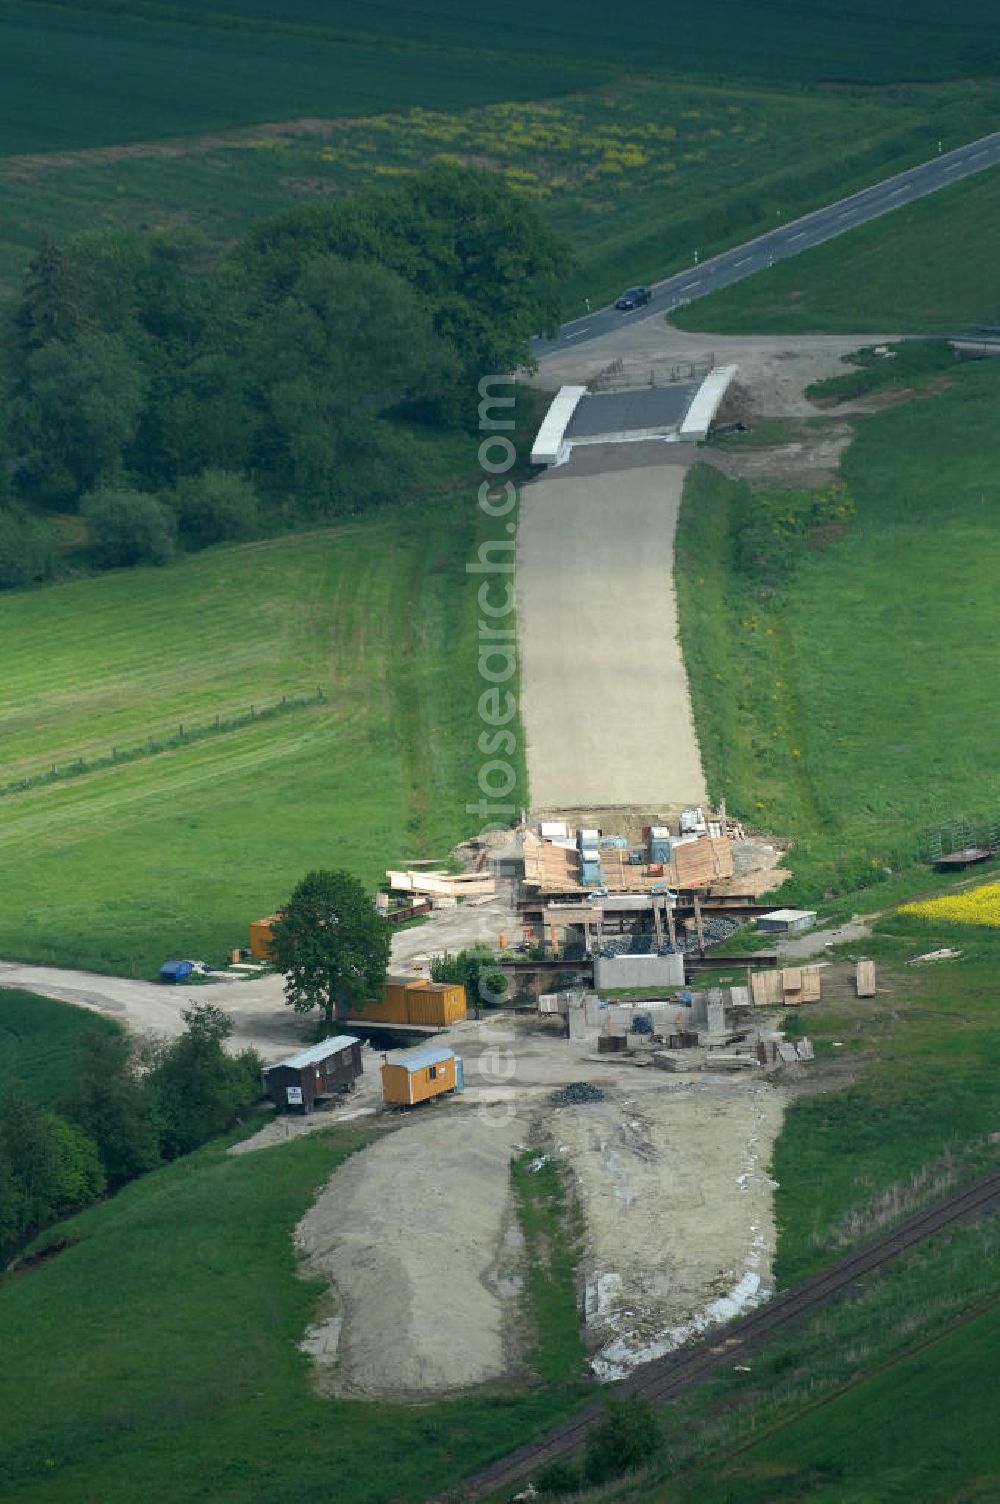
pixel 419 1239
pixel 775 369
pixel 604 693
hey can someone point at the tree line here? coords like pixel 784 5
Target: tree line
pixel 177 395
pixel 129 1110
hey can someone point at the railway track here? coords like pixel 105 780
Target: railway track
pixel 670 1377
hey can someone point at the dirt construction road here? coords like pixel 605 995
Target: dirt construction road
pixel 774 368
pixel 604 694
pixel 419 1239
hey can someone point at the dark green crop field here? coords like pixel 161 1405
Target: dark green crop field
pixel 782 39
pixel 122 75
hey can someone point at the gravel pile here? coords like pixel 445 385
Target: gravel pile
pixel 577 1092
pixel 716 930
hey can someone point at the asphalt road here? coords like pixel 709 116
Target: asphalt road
pixel 785 241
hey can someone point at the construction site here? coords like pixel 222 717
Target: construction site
pixel 654 1074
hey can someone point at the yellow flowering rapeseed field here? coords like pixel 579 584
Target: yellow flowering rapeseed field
pixel 978 906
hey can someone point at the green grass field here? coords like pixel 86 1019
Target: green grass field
pixel 179 851
pixel 855 708
pixel 39 1040
pixel 916 270
pixel 183 1369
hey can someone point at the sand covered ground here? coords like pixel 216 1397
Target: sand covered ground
pixel 675 1191
pixel 418 1237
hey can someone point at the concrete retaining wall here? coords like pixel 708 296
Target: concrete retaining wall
pixel 548 445
pixel 638 971
pixel 706 402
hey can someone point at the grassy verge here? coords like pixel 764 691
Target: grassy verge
pixel 850 709
pixel 909 366
pixel 117 867
pixel 910 271
pixel 184 1367
pixel 553 1229
pixel 39 1040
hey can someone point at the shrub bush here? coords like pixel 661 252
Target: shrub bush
pixel 129 527
pixel 627 1438
pixel 477 971
pixel 558 1478
pixel 26 551
pixel 215 507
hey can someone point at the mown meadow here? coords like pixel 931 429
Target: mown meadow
pixel 180 848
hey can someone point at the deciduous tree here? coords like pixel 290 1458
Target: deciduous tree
pixel 331 944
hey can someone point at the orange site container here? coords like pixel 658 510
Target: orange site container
pixel 419 1075
pixel 416 1001
pixel 261 937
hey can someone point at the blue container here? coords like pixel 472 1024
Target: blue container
pixel 459 1074
pixel 642 1023
pixel 175 971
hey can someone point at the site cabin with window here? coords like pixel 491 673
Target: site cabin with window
pixel 420 1074
pixel 325 1070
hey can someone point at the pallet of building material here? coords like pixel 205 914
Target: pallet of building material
pixel 740 997
pixel 442 884
pixel 804 1049
pixel 800 984
pixel 729 1060
pixel 809 986
pixel 667 1061
pixel 864 979
pixel 767 989
pixel 786 1052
